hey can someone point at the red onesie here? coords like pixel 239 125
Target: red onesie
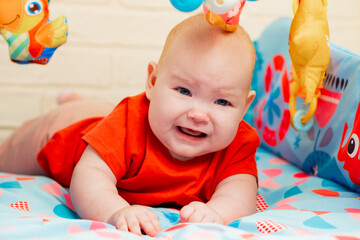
pixel 147 173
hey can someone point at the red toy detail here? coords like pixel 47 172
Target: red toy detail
pixel 349 153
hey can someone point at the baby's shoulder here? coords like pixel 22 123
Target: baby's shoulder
pixel 247 134
pixel 245 127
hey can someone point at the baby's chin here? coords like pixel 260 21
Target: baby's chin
pixel 181 157
pixel 186 157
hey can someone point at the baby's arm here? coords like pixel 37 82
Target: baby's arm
pixel 234 197
pixel 95 196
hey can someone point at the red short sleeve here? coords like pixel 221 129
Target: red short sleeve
pixel 120 133
pixel 63 151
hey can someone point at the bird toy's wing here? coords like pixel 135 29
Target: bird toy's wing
pixel 54 33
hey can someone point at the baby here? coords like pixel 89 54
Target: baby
pixel 182 143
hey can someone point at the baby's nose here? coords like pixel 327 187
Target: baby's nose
pixel 198 116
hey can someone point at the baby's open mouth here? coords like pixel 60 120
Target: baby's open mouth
pixel 191 132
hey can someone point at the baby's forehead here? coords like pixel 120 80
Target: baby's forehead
pixel 207 73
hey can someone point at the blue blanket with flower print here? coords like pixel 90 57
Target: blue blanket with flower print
pixel 290 205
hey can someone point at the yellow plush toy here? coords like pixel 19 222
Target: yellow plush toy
pixel 25 25
pixel 310 55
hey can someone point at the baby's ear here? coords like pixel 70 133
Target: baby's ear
pixel 250 98
pixel 151 79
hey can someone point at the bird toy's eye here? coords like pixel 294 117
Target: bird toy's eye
pixel 33 7
pixel 353 145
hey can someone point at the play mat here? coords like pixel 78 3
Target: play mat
pixel 308 181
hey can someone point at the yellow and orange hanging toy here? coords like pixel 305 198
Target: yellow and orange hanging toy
pixel 310 55
pixel 31 37
pixel 221 13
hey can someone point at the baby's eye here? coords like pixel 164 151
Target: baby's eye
pixel 184 91
pixel 223 102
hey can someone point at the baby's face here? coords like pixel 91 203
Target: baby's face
pixel 198 101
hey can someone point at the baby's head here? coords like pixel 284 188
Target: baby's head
pixel 199 90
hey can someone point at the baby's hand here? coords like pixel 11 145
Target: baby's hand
pixel 199 212
pixel 134 218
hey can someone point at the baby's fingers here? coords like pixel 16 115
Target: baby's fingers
pixel 133 224
pixel 186 212
pixel 150 223
pixel 122 226
pixel 196 216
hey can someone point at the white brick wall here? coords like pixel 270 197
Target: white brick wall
pixel 110 43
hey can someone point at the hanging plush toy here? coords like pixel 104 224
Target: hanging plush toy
pixel 223 13
pixel 25 25
pixel 310 55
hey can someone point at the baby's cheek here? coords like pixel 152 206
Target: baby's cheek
pixel 228 132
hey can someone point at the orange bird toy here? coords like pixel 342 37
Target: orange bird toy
pixel 31 37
